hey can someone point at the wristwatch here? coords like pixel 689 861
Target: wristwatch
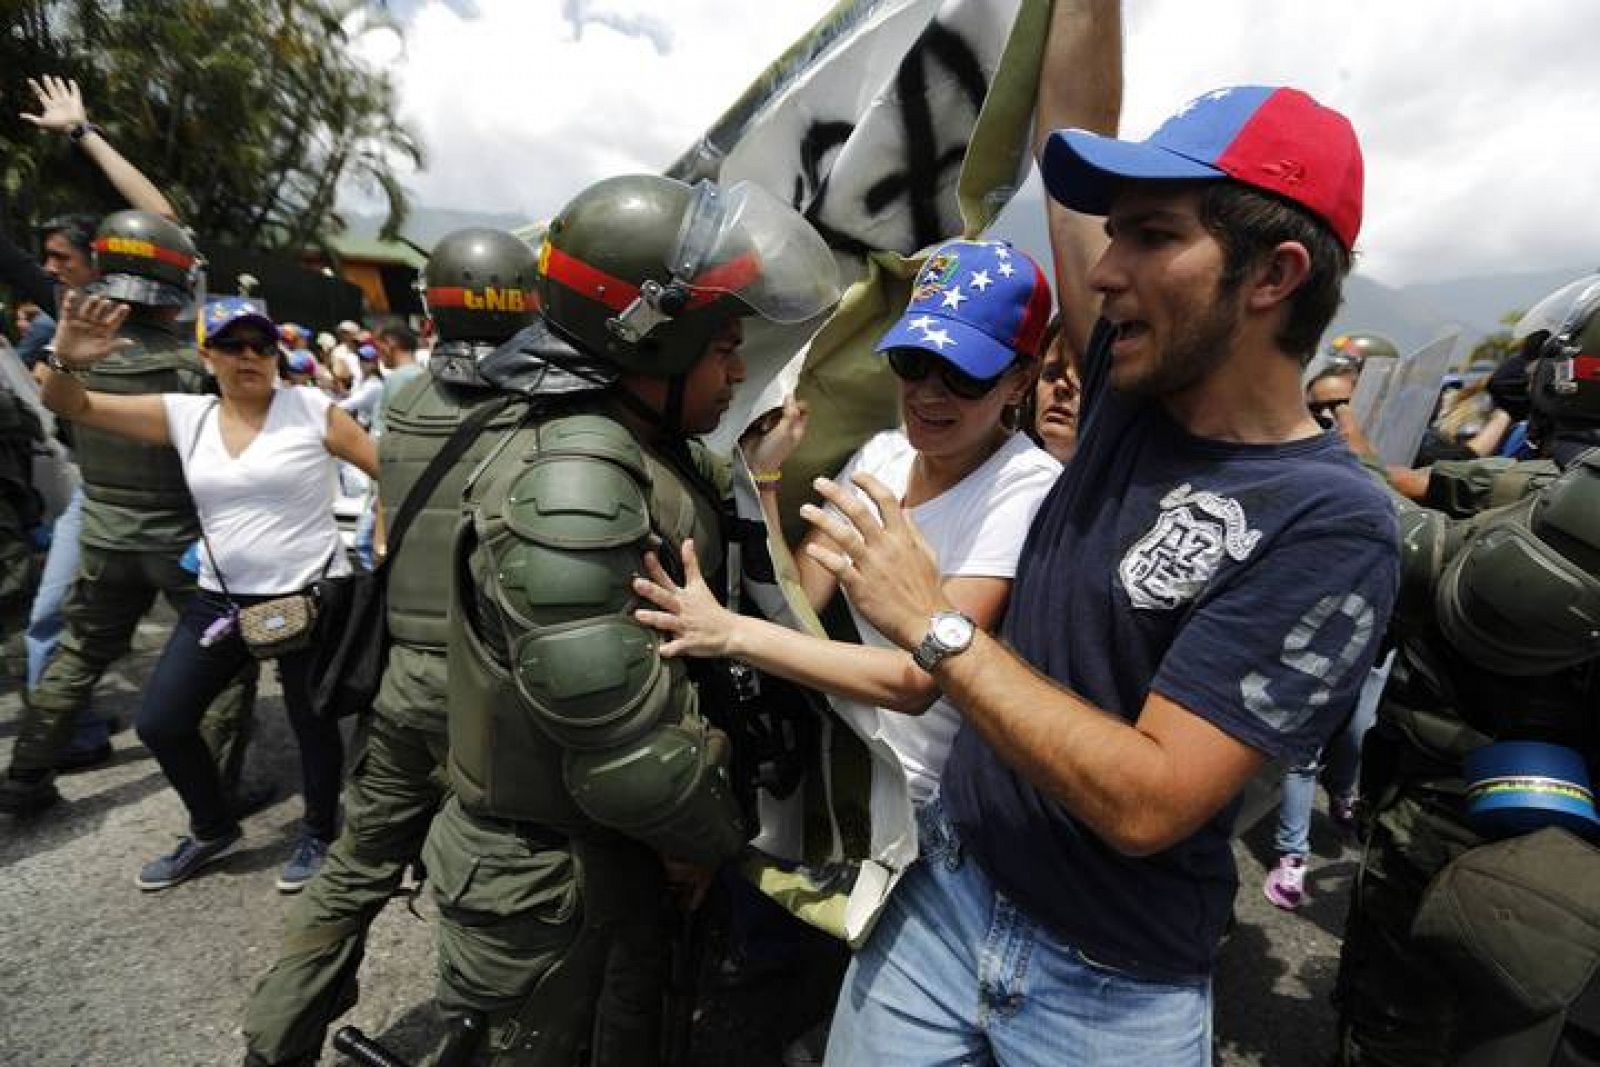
pixel 82 130
pixel 53 361
pixel 949 632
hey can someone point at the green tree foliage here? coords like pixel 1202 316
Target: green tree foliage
pixel 248 114
pixel 1495 347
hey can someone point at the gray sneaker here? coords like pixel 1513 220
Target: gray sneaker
pixel 186 860
pixel 309 852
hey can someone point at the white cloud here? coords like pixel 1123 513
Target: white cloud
pixel 1478 121
pixel 519 114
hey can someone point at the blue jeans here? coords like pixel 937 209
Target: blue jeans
pixel 185 681
pixel 1338 764
pixel 957 974
pixel 60 565
pixel 45 621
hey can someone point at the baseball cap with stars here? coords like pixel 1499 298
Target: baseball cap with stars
pixel 976 304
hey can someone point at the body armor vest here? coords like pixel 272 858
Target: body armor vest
pixel 128 473
pixel 503 762
pixel 418 419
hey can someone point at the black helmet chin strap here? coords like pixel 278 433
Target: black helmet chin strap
pixel 669 422
pixel 677 387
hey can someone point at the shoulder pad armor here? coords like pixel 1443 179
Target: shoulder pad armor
pixel 593 684
pixel 585 488
pixel 1522 596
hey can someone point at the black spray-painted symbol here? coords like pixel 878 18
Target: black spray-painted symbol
pixel 917 182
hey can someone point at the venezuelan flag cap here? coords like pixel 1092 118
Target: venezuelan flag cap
pixel 977 304
pixel 1273 138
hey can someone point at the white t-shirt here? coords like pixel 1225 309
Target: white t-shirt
pixel 268 513
pixel 976 529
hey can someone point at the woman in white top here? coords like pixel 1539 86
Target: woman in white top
pixel 259 461
pixel 970 482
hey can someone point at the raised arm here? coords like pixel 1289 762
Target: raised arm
pixel 86 334
pixel 61 110
pixel 1080 86
pixel 766 449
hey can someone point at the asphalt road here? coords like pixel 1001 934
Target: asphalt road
pixel 95 973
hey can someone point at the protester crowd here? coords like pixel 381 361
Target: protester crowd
pixel 1128 550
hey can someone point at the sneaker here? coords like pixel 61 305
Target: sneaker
pixel 309 852
pixel 1346 814
pixel 24 797
pixel 1286 883
pixel 186 860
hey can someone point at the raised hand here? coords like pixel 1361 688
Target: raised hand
pixel 60 103
pixel 690 616
pixel 883 564
pixel 770 443
pixel 86 331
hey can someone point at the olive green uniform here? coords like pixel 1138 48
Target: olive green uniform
pixel 1404 997
pixel 398 780
pixel 578 756
pixel 138 520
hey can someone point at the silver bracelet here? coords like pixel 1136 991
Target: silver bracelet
pixel 53 361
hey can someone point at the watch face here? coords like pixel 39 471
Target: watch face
pixel 952 631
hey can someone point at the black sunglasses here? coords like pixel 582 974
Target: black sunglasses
pixel 1322 411
pixel 235 346
pixel 913 365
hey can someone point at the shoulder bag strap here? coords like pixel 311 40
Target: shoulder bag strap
pixel 194 443
pixel 447 457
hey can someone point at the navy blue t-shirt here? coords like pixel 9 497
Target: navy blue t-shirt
pixel 1247 583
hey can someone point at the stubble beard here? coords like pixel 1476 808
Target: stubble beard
pixel 1204 344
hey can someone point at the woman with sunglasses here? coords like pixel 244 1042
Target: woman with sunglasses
pixel 259 461
pixel 965 353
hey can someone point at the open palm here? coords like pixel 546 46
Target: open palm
pixel 86 333
pixel 60 104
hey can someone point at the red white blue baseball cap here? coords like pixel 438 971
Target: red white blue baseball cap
pixel 225 314
pixel 977 304
pixel 1269 137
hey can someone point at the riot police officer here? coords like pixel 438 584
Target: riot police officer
pixel 1474 933
pixel 581 761
pixel 138 518
pixel 478 287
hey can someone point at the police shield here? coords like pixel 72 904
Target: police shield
pixel 1394 400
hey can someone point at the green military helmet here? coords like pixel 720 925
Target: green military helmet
pixel 145 259
pixel 1354 348
pixel 480 285
pixel 645 271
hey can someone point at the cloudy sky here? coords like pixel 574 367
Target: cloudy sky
pixel 1480 122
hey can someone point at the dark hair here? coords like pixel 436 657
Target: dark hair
pixel 78 229
pixel 1051 329
pixel 1249 224
pixel 400 334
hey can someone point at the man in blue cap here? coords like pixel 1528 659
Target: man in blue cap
pixel 1202 590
